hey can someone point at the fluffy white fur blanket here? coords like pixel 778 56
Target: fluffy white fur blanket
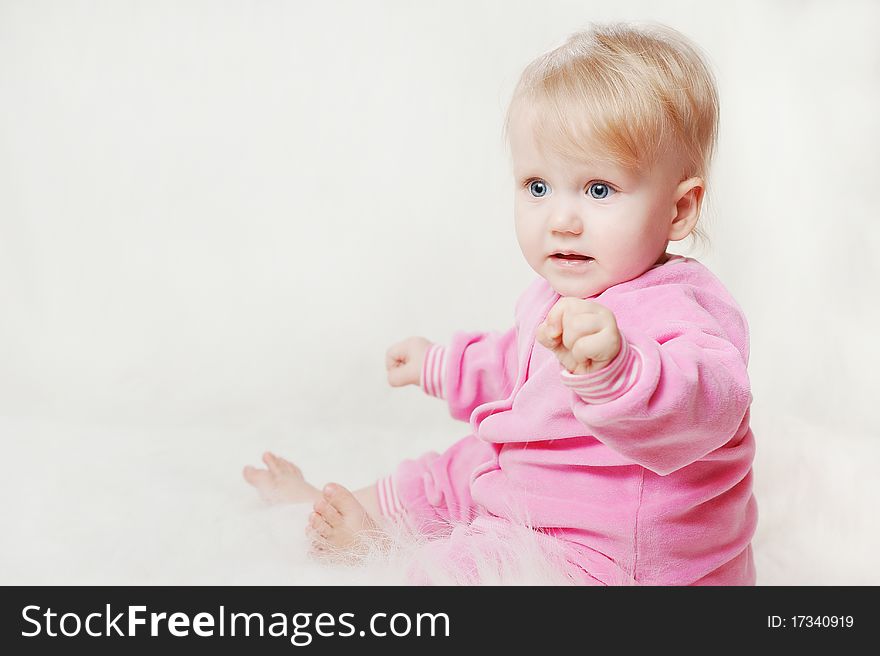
pixel 125 505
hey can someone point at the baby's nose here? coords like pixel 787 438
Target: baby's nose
pixel 568 223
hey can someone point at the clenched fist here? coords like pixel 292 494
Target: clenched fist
pixel 404 361
pixel 581 333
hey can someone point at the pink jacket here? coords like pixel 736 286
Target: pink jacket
pixel 646 465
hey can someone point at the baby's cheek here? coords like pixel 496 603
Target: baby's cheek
pixel 628 250
pixel 530 247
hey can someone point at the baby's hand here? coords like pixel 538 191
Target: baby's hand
pixel 404 361
pixel 582 334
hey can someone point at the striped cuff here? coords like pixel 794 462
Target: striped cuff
pixel 434 371
pixel 389 502
pixel 611 382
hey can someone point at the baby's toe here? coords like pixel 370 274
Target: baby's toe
pixel 328 512
pixel 255 476
pixel 317 542
pixel 341 499
pixel 320 525
pixel 271 461
pixel 287 466
pixel 318 548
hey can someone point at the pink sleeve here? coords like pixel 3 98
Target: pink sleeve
pixel 475 368
pixel 665 405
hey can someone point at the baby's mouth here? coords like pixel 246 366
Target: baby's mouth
pixel 571 256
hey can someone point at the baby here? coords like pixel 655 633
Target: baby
pixel 613 418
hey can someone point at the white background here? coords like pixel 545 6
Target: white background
pixel 215 217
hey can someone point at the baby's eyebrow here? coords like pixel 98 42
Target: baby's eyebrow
pixel 601 171
pixel 578 168
pixel 593 173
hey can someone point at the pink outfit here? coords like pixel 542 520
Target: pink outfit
pixel 642 470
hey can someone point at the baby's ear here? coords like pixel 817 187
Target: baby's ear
pixel 688 200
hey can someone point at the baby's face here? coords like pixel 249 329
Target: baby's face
pixel 619 220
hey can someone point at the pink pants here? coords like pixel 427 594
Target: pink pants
pixel 470 546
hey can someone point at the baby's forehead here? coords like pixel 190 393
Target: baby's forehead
pixel 530 147
pixel 547 161
pixel 585 159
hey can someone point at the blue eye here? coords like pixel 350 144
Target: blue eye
pixel 600 190
pixel 538 188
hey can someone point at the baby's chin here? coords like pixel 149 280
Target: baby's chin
pixel 575 288
pixel 587 285
pixel 583 284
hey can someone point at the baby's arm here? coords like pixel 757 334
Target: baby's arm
pixel 665 404
pixel 474 368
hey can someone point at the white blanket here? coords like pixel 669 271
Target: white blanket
pixel 129 505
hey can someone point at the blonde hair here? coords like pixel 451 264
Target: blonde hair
pixel 624 93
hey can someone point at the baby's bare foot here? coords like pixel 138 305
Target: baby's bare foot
pixel 282 482
pixel 340 527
